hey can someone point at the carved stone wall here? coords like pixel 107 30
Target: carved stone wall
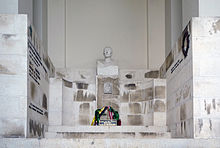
pixel 24 77
pixel 142 98
pixel 13 75
pixel 139 99
pixel 179 76
pixel 108 92
pixel 72 97
pixel 192 72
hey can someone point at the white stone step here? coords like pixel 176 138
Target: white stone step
pixel 107 129
pixel 107 143
pixel 100 132
pixel 105 135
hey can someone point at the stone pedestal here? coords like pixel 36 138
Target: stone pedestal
pixel 107 82
pixel 107 69
pixel 107 91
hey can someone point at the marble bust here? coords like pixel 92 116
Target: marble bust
pixel 107 66
pixel 107 52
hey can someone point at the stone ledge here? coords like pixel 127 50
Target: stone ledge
pixel 110 129
pixel 104 135
pixel 125 143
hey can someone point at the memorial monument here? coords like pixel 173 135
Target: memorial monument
pixel 107 80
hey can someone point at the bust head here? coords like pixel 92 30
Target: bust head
pixel 107 52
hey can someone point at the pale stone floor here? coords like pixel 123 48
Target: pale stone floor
pixel 108 143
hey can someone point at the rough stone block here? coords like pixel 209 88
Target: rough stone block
pixel 136 96
pixel 106 69
pixel 13 44
pixel 84 119
pixel 131 86
pixel 13 107
pixel 13 24
pixel 148 94
pixel 206 108
pixel 135 108
pixel 159 119
pixel 149 107
pixel 82 95
pixel 13 65
pixel 55 118
pixel 207 128
pixel 149 119
pixel 12 127
pixel 152 74
pixel 205 27
pixel 114 104
pixel 84 108
pixel 160 92
pixel 210 84
pixel 67 83
pixel 159 106
pixel 55 95
pixel 125 97
pixel 127 75
pixel 81 85
pixel 67 94
pixel 135 120
pixel 13 85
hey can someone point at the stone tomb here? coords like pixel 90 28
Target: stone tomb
pixel 140 101
pixel 138 95
pixel 191 70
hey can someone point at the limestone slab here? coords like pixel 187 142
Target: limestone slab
pixel 147 143
pixel 107 69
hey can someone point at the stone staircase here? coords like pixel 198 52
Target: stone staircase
pixel 101 132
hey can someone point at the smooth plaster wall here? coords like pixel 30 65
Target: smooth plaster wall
pixel 92 25
pixel 190 8
pixel 156 33
pixel 44 24
pixel 78 30
pixel 37 20
pixel 176 20
pixel 167 27
pixel 209 8
pixel 56 32
pixel 173 15
pixel 8 6
pixel 40 20
pixel 26 7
